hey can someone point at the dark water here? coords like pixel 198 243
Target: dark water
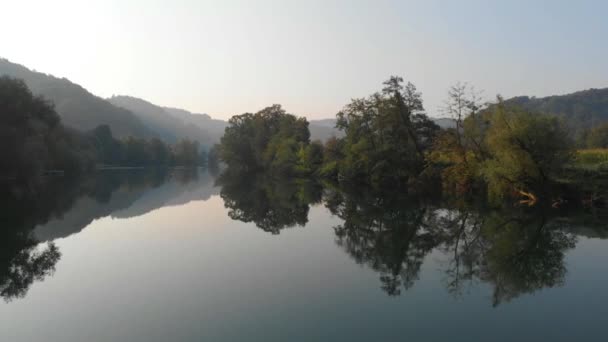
pixel 169 256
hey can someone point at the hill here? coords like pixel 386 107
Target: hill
pixel 175 122
pixel 580 110
pixel 77 107
pixel 445 123
pixel 169 126
pixel 323 129
pixel 214 128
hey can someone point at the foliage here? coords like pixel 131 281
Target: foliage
pixel 597 137
pixel 33 139
pixel 78 108
pixel 580 111
pixel 386 136
pixel 592 156
pixel 268 140
pixel 502 149
pixel 310 158
pixel 527 151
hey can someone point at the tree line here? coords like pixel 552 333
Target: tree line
pixel 497 149
pixel 34 141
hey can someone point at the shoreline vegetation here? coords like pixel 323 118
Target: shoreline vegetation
pixel 502 190
pixel 499 151
pixel 35 143
pixel 517 250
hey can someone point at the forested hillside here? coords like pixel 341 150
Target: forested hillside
pixel 77 107
pixel 581 110
pixel 214 128
pixel 169 128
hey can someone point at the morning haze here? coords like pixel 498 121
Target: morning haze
pixel 230 57
pixel 303 171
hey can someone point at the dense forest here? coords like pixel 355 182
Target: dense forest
pixel 580 111
pixel 35 141
pixel 500 150
pixel 77 108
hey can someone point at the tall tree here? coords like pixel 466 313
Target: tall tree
pixel 386 135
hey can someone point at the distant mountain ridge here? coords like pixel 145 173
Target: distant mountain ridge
pixel 127 115
pixel 580 110
pixel 77 107
pixel 130 116
pixel 213 127
pixel 171 125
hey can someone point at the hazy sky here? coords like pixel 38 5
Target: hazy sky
pixel 229 57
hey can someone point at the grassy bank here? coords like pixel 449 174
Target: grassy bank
pixel 588 171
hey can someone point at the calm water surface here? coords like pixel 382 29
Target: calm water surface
pixel 170 256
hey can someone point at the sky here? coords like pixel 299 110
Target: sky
pixel 229 57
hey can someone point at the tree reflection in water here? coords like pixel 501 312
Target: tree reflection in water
pixel 24 259
pixel 390 235
pixel 272 204
pixel 514 251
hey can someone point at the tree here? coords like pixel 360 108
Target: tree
pixel 110 151
pixel 598 137
pixel 527 151
pixel 310 158
pixel 268 140
pixel 186 153
pixel 213 159
pixel 33 139
pixel 387 135
pixel 459 150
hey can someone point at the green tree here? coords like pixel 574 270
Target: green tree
pixel 386 135
pixel 597 137
pixel 527 151
pixel 33 139
pixel 310 158
pixel 268 140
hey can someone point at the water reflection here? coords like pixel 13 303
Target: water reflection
pixel 514 251
pixel 272 204
pixel 389 234
pixel 34 216
pixel 22 262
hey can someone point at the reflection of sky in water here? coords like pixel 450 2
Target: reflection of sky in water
pixel 189 272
